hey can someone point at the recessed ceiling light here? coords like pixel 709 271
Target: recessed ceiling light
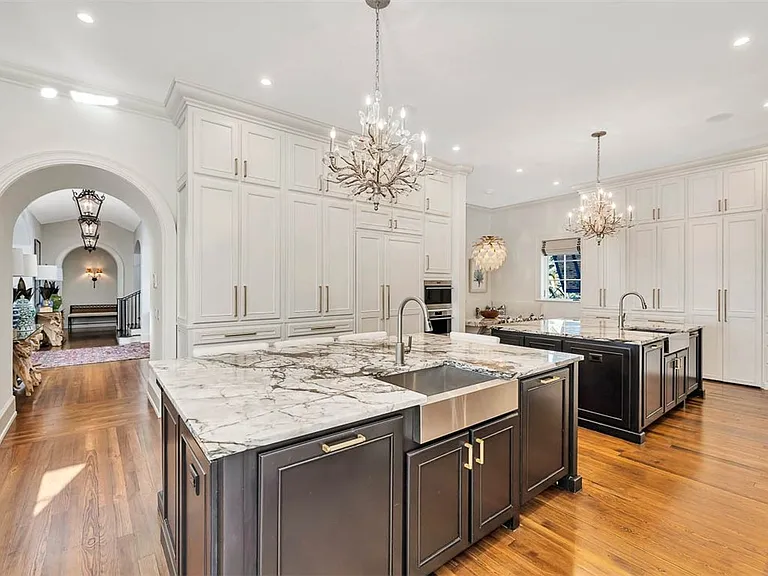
pixel 556 183
pixel 92 99
pixel 489 191
pixel 741 41
pixel 49 92
pixel 722 117
pixel 519 170
pixel 266 82
pixel 456 148
pixel 765 105
pixel 85 17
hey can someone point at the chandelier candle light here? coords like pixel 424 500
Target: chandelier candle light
pixel 384 161
pixel 596 215
pixel 489 253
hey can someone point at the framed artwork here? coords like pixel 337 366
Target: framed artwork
pixel 478 278
pixel 38 251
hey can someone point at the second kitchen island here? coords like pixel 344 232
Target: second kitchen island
pixel 330 459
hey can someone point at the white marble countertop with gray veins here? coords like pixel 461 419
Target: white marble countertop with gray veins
pixel 592 329
pixel 236 402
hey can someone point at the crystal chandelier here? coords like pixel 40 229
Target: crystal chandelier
pixel 382 163
pixel 596 216
pixel 489 253
pixel 89 205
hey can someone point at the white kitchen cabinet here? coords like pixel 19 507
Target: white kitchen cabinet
pixel 389 269
pixel 260 253
pixel 407 221
pixel 656 265
pixel 413 201
pixel 215 246
pixel 305 164
pixel 603 272
pixel 215 144
pixel 437 246
pixel 438 195
pixel 320 256
pixel 705 193
pixel 591 275
pixel 743 188
pixel 724 294
pixel 261 151
pixel 657 201
pixel 338 257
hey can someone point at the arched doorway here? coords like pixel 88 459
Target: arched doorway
pixel 28 178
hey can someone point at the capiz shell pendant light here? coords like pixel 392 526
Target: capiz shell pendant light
pixel 489 252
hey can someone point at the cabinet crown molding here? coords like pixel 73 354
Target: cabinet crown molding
pixel 182 94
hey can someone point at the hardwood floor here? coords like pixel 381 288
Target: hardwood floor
pixel 88 339
pixel 81 469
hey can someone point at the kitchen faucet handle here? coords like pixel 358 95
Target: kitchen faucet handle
pixel 408 346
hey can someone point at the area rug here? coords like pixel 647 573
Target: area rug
pixel 76 357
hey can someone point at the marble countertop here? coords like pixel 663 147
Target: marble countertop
pixel 236 402
pixel 592 329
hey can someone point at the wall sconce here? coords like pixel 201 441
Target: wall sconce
pixel 95 274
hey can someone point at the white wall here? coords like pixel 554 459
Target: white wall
pixel 524 227
pixel 60 237
pixel 52 144
pixel 478 224
pixel 77 286
pixel 142 235
pixel 26 229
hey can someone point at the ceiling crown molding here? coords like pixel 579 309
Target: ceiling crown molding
pixel 183 93
pixel 37 79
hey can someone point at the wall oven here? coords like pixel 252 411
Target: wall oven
pixel 437 296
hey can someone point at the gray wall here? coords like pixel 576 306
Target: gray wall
pixel 78 288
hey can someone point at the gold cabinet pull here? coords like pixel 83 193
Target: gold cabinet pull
pixel 725 305
pixel 718 206
pixel 395 221
pixel 320 295
pixel 235 287
pixel 550 380
pixel 245 168
pixel 328 448
pixel 481 458
pixel 390 224
pixel 658 298
pixel 427 261
pixel 236 166
pixel 245 300
pixel 468 463
pixel 725 205
pixel 427 203
pixel 327 298
pixel 241 335
pixel 389 301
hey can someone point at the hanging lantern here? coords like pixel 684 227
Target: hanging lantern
pixel 88 203
pixel 489 252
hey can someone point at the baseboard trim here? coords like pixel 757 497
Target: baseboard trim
pixel 7 416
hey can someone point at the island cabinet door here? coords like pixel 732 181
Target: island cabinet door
pixel 544 401
pixel 495 475
pixel 544 343
pixel 653 383
pixel 605 394
pixel 681 377
pixel 170 499
pixel 194 507
pixel 693 376
pixel 438 479
pixel 670 381
pixel 511 338
pixel 334 505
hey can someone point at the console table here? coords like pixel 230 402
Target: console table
pixel 24 344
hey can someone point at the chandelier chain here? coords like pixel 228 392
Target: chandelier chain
pixel 378 44
pixel 598 160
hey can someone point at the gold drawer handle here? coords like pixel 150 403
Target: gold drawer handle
pixel 468 463
pixel 359 439
pixel 481 459
pixel 551 380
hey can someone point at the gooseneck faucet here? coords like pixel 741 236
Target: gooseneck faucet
pixel 622 314
pixel 400 348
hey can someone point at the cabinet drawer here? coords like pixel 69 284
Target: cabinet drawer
pixel 330 326
pixel 407 222
pixel 237 334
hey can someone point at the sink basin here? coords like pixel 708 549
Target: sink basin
pixel 449 408
pixel 431 381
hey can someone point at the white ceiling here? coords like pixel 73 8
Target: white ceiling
pixel 515 84
pixel 59 206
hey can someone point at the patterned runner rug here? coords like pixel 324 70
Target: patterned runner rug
pixel 56 358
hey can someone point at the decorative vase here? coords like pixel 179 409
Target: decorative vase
pixel 16 314
pixel 27 314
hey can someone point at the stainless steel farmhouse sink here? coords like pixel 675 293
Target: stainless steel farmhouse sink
pixel 454 401
pixel 676 340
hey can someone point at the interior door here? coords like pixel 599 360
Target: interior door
pixel 704 274
pixel 260 249
pixel 670 276
pixel 642 254
pixel 339 257
pixel 644 198
pixel 705 193
pixel 404 278
pixel 216 144
pixel 743 188
pixel 304 255
pixel 371 282
pixel 216 249
pixel 742 277
pixel 262 150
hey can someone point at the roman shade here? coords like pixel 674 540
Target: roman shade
pixel 561 246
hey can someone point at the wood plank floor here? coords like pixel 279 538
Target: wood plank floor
pixel 81 468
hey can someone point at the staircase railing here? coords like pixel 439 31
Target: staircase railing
pixel 128 314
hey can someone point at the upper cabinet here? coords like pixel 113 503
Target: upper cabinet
pixel 216 145
pixel 438 195
pixel 658 201
pixel 305 165
pixel 437 246
pixel 261 149
pixel 731 190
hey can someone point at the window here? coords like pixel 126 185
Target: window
pixel 561 269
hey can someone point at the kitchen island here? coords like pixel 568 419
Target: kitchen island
pixel 630 377
pixel 331 459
